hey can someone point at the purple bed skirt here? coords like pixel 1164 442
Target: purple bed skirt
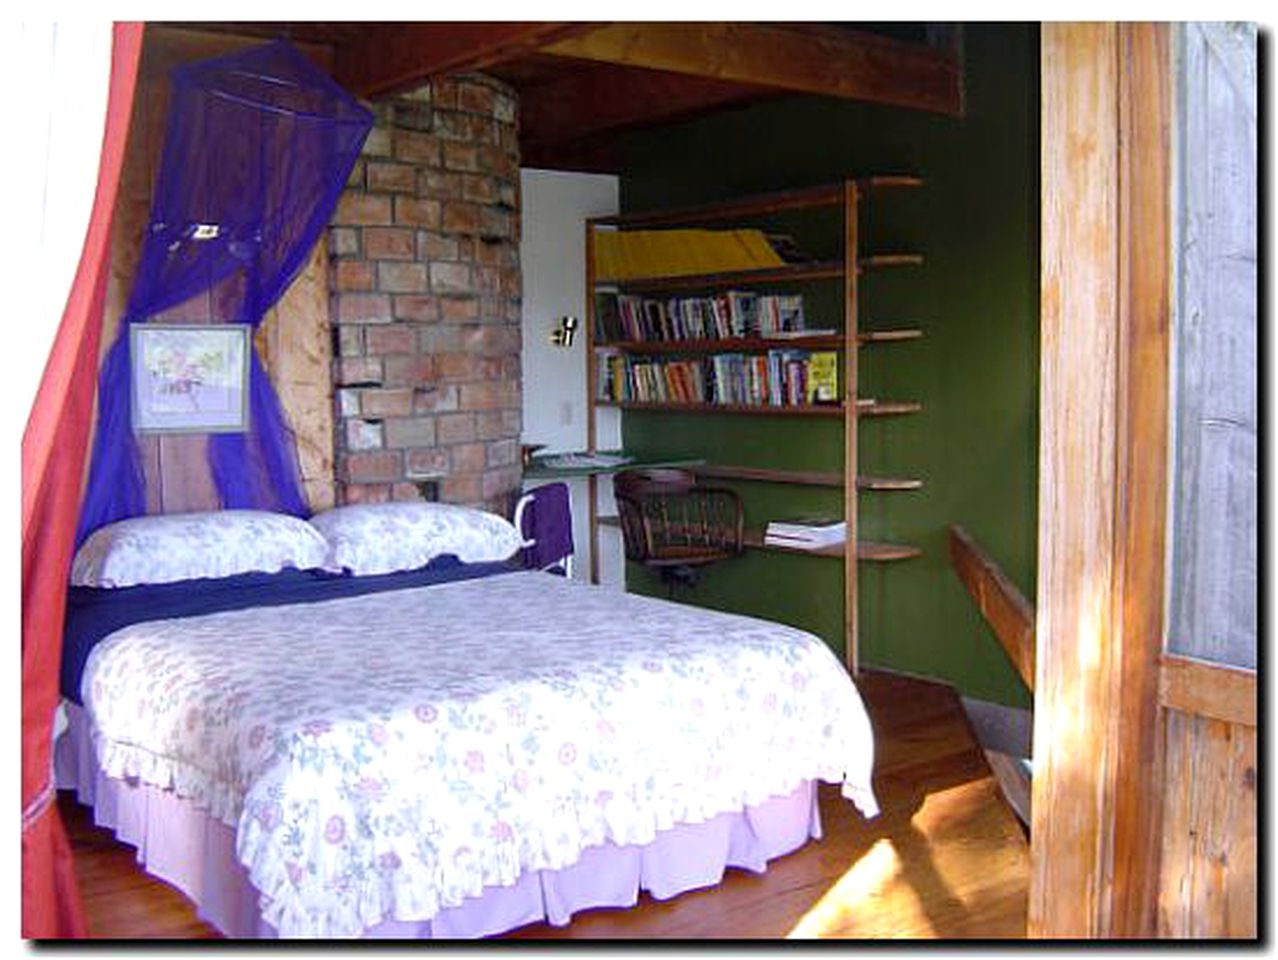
pixel 179 843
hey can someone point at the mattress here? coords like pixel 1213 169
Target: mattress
pixel 385 757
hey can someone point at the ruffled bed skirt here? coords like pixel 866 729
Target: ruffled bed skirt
pixel 180 843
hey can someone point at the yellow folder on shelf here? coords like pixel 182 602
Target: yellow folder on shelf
pixel 635 254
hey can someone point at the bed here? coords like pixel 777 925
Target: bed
pixel 448 748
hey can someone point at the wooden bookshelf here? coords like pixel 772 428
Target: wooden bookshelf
pixel 847 198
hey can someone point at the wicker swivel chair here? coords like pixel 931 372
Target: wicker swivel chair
pixel 673 526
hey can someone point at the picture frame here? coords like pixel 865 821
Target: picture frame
pixel 190 378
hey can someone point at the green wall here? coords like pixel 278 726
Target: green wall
pixel 975 370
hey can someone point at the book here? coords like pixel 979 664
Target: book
pixel 792 543
pixel 817 531
pixel 823 377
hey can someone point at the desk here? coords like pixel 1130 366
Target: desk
pixel 539 469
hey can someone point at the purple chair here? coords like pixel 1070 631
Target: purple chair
pixel 543 517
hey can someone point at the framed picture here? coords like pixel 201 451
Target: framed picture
pixel 190 378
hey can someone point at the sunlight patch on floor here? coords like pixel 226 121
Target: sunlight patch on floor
pixel 852 894
pixel 905 884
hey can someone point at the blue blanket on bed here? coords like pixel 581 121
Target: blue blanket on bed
pixel 94 613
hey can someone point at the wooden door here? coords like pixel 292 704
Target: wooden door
pixel 1144 788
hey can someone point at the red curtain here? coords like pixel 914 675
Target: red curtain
pixel 54 446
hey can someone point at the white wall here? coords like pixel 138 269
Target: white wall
pixel 554 208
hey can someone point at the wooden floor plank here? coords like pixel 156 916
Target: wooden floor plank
pixel 945 859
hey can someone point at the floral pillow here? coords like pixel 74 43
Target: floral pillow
pixel 371 538
pixel 190 546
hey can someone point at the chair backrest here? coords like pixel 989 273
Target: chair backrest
pixel 543 517
pixel 666 518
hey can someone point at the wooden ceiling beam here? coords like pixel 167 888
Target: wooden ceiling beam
pixel 393 57
pixel 603 99
pixel 799 57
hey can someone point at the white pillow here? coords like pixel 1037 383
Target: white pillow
pixel 370 538
pixel 189 546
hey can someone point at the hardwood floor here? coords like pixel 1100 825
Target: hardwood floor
pixel 945 859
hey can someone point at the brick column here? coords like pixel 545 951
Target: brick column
pixel 425 284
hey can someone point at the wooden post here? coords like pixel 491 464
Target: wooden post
pixel 1103 447
pixel 850 433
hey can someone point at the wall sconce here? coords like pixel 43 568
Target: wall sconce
pixel 563 331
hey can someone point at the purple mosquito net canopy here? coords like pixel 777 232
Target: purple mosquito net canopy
pixel 258 146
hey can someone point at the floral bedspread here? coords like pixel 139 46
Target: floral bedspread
pixel 385 756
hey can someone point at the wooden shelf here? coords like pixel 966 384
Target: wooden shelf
pixel 886 409
pixel 754 540
pixel 867 550
pixel 888 483
pixel 879 260
pixel 827 195
pixel 824 341
pixel 891 180
pixel 806 410
pixel 789 273
pixel 809 478
pixel 878 409
pixel 877 550
pixel 832 341
pixel 539 470
pixel 889 336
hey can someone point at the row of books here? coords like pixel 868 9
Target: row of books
pixel 810 533
pixel 779 378
pixel 621 317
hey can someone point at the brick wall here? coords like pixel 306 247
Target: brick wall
pixel 425 283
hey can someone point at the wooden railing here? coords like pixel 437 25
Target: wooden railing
pixel 1002 605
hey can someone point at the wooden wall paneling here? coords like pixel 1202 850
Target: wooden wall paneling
pixel 1215 550
pixel 1208 879
pixel 1207 681
pixel 297 351
pixel 1075 682
pixel 1213 690
pixel 177 478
